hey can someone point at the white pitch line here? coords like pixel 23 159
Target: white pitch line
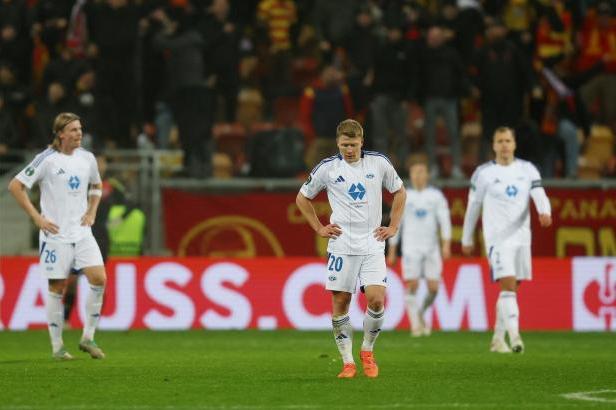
pixel 590 396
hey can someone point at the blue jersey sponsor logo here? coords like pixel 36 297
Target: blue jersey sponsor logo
pixel 73 182
pixel 421 213
pixel 357 191
pixel 511 191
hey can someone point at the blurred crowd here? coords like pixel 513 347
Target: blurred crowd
pixel 419 74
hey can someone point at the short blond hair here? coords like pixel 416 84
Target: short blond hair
pixel 61 121
pixel 503 129
pixel 418 159
pixel 350 128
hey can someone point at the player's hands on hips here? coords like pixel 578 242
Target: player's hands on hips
pixel 468 249
pixel 88 219
pixel 46 225
pixel 545 220
pixel 382 233
pixel 330 231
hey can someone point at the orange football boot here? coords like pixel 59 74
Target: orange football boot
pixel 370 367
pixel 348 371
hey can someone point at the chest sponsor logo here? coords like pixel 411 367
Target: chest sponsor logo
pixel 511 191
pixel 73 182
pixel 357 191
pixel 421 213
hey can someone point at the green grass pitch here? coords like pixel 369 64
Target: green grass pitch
pixel 297 370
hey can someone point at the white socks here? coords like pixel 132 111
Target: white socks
pixel 412 310
pixel 510 314
pixel 373 321
pixel 499 322
pixel 94 303
pixel 428 301
pixel 55 320
pixel 343 334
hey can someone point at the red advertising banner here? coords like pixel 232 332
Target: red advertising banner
pixel 270 224
pixel 273 293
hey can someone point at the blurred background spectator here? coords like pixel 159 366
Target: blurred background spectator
pixel 210 75
pixel 323 106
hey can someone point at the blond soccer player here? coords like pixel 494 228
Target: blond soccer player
pixel 70 187
pixel 354 180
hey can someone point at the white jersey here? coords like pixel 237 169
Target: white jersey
pixel 504 193
pixel 355 195
pixel 425 212
pixel 63 180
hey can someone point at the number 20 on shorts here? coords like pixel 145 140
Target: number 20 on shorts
pixel 334 263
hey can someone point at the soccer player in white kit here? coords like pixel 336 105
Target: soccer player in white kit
pixel 70 187
pixel 426 213
pixel 354 180
pixel 503 188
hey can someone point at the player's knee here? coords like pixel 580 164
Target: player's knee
pixel 508 283
pixel 341 302
pixel 57 286
pixel 413 286
pixel 98 279
pixel 376 305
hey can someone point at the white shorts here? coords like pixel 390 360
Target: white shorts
pixel 426 264
pixel 57 259
pixel 510 260
pixel 344 270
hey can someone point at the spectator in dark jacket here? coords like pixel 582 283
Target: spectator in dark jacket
pixel 322 107
pixel 361 47
pixel 15 43
pixel 8 131
pixel 561 111
pixel 503 76
pixel 442 82
pixel 51 20
pixel 45 111
pixel 63 69
pixel 84 103
pixel 187 90
pixel 393 78
pixel 221 44
pixel 113 27
pixel 16 97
